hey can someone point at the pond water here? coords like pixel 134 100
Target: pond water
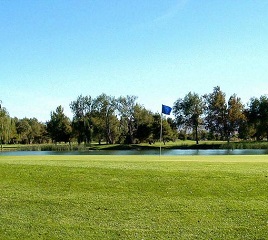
pixel 167 152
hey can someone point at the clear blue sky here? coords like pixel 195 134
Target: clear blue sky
pixel 159 50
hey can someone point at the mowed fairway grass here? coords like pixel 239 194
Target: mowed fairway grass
pixel 134 197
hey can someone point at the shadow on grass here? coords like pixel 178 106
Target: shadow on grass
pixel 143 146
pixel 153 146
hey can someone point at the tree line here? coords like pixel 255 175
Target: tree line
pixel 123 120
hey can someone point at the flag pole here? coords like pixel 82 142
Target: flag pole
pixel 161 133
pixel 166 110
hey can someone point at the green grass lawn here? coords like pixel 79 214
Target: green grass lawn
pixel 134 197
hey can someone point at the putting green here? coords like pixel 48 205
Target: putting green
pixel 134 197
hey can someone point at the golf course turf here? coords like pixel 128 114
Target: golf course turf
pixel 134 197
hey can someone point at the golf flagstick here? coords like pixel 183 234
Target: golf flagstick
pixel 161 133
pixel 165 110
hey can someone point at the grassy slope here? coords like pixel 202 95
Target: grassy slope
pixel 134 197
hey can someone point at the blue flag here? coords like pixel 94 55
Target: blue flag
pixel 166 109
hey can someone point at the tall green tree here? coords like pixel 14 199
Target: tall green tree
pixel 59 126
pixel 28 130
pixel 38 132
pixel 263 115
pixel 143 121
pixel 23 129
pixel 188 112
pixel 216 113
pixel 82 118
pixel 13 131
pixel 258 116
pixel 253 118
pixel 235 116
pixel 105 122
pixel 5 125
pixel 223 119
pixel 125 107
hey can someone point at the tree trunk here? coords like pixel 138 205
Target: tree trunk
pixel 196 135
